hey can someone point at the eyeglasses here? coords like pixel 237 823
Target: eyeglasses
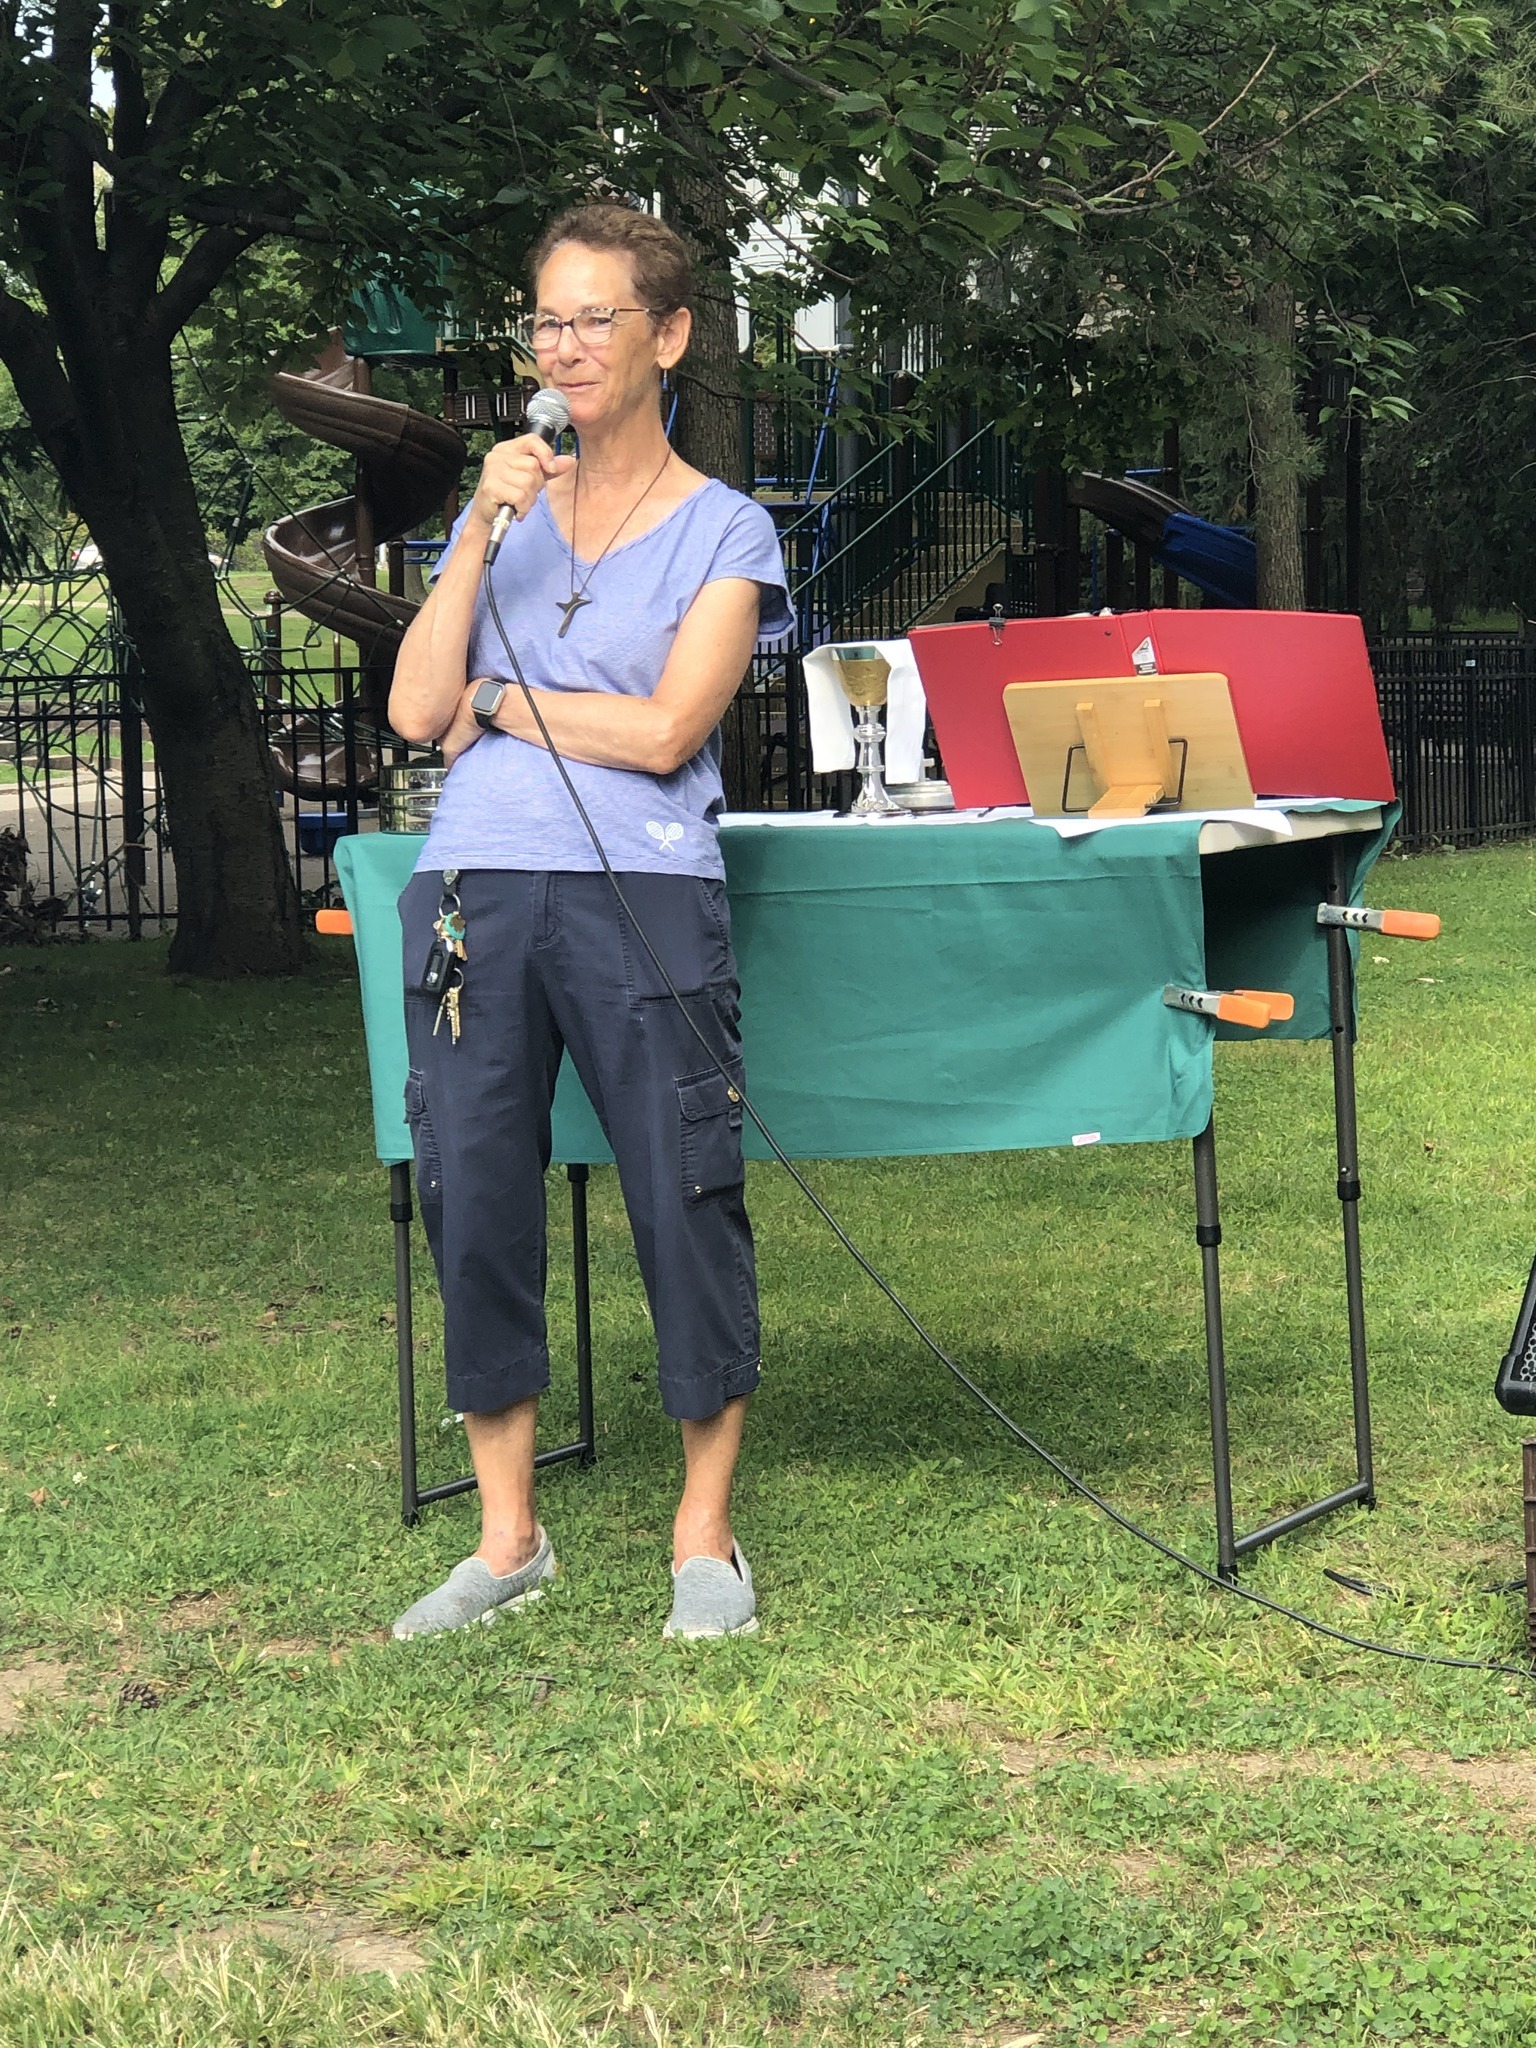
pixel 592 326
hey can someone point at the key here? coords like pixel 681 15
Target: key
pixel 449 1006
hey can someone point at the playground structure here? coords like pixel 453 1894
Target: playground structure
pixel 323 560
pixel 1219 561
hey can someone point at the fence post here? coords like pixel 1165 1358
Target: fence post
pixel 1170 481
pixel 1416 806
pixel 349 747
pixel 796 769
pixel 130 723
pixel 1470 763
pixel 271 642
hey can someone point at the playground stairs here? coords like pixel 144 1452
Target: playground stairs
pixel 883 553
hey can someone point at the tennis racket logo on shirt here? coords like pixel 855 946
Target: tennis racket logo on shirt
pixel 666 836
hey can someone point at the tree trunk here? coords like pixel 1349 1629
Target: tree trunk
pixel 707 431
pixel 238 909
pixel 1280 450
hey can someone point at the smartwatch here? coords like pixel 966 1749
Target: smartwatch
pixel 485 702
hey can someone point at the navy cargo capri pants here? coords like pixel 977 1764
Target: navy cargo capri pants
pixel 553 964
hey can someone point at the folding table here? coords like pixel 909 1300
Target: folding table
pixel 973 983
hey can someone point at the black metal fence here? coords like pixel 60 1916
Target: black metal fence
pixel 78 778
pixel 77 772
pixel 1459 710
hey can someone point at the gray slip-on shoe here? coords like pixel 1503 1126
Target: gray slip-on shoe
pixel 712 1598
pixel 473 1592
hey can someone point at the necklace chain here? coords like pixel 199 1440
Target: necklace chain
pixel 572 604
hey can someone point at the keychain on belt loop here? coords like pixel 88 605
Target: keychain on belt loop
pixel 445 961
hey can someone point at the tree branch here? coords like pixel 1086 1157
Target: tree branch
pixel 1172 156
pixel 74 29
pixel 237 211
pixel 69 224
pixel 807 83
pixel 27 350
pixel 199 272
pixel 183 101
pixel 1312 113
pixel 130 107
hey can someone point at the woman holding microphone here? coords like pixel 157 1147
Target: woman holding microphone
pixel 633 589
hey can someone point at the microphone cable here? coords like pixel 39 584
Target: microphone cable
pixel 984 1400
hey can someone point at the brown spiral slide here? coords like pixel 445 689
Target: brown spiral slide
pixel 407 463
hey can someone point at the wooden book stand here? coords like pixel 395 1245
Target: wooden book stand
pixel 1120 746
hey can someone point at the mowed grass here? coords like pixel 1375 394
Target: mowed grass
pixel 991 1772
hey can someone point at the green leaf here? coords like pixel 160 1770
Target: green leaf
pixel 1188 143
pixel 901 181
pixel 923 121
pixel 396 33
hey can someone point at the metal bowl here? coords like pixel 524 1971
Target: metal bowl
pixel 408 794
pixel 922 796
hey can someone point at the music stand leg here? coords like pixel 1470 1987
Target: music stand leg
pixel 1208 1237
pixel 581 1265
pixel 405 1343
pixel 1346 1132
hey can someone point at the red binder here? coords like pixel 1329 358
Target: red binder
pixel 1301 685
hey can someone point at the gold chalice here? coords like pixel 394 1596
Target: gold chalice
pixel 864 673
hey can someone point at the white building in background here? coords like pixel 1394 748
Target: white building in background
pixel 818 328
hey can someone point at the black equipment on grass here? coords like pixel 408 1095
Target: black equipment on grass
pixel 1516 1383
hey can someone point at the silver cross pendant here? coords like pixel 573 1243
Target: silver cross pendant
pixel 570 606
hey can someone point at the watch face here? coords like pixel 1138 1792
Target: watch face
pixel 487 697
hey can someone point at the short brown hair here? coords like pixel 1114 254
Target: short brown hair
pixel 658 256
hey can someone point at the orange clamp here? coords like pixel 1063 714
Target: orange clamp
pixel 338 922
pixel 1243 1009
pixel 1280 1005
pixel 1410 924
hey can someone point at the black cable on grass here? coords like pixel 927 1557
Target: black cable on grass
pixel 999 1415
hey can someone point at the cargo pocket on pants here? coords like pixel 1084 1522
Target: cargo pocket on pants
pixel 429 1165
pixel 709 1108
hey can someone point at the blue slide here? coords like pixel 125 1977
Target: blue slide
pixel 1221 561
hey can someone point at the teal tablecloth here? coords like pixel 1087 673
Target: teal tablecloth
pixel 945 985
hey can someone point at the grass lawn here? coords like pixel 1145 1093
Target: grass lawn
pixel 991 1773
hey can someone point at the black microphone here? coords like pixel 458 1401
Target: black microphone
pixel 548 415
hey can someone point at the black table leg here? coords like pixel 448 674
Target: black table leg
pixel 1361 1493
pixel 405 1342
pixel 1208 1237
pixel 1346 1131
pixel 413 1496
pixel 581 1262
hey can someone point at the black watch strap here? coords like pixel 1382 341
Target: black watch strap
pixel 485 702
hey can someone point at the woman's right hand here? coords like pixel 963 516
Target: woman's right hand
pixel 514 473
pixel 465 729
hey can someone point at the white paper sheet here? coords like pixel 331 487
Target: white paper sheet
pixel 1271 818
pixel 906 714
pixel 1264 824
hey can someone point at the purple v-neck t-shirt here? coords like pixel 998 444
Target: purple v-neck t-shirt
pixel 503 804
